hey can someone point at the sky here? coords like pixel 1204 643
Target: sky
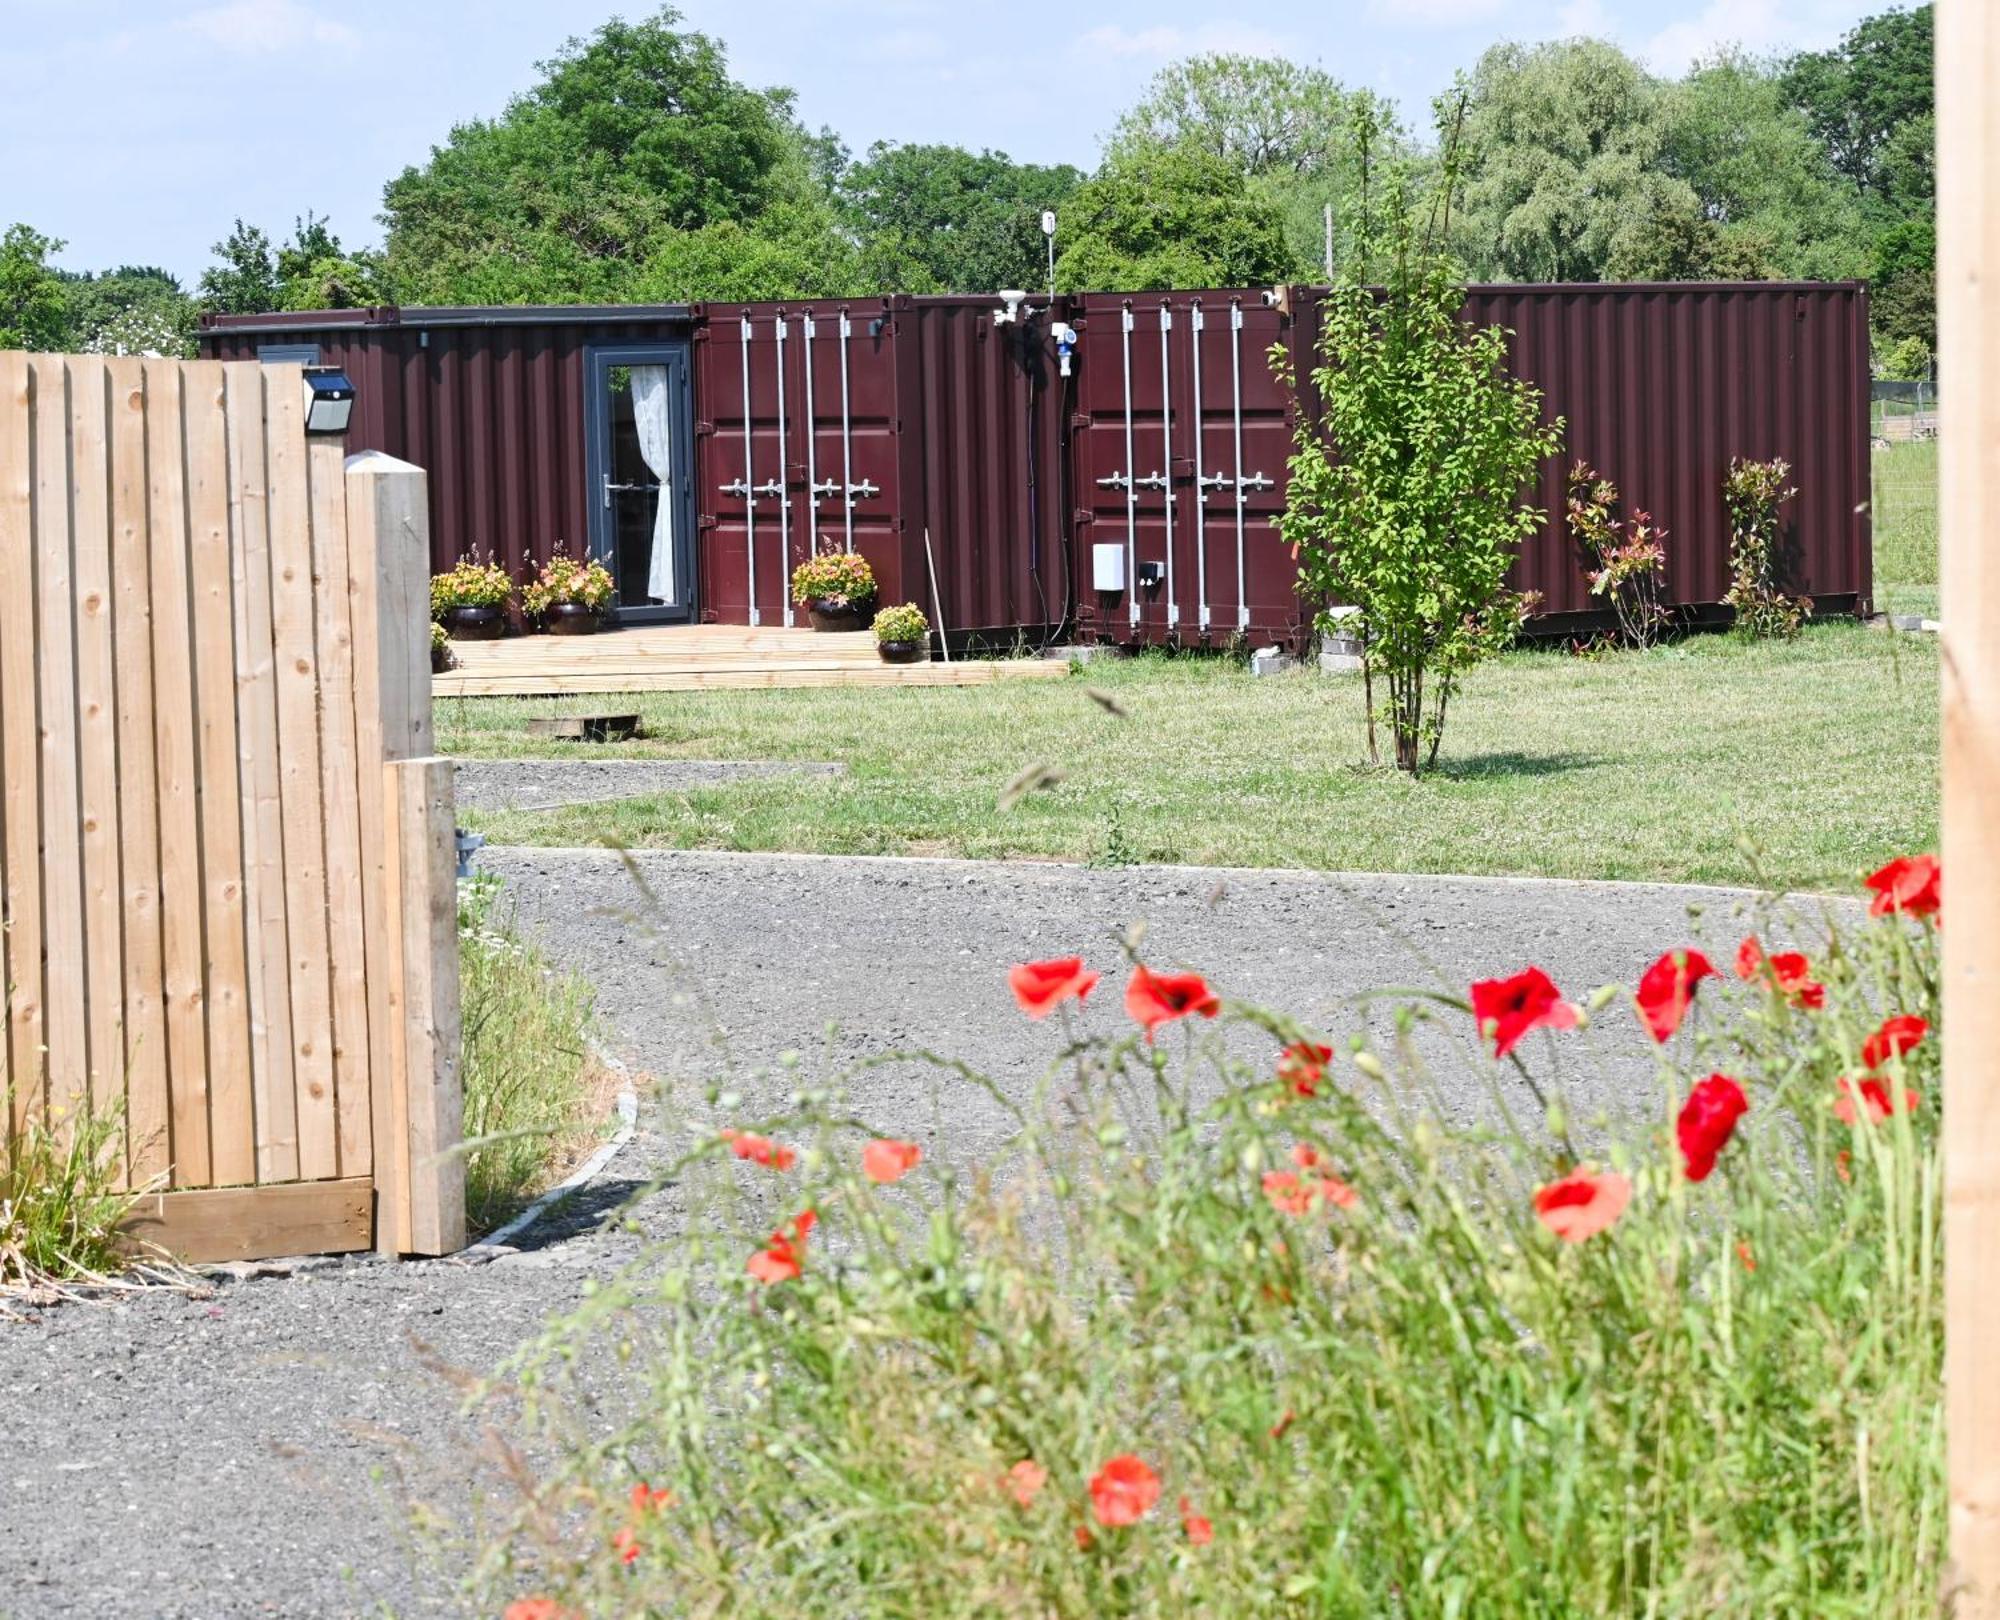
pixel 137 130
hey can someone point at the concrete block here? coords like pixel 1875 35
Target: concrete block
pixel 1270 661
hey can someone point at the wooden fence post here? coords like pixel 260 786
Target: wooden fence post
pixel 410 900
pixel 1968 110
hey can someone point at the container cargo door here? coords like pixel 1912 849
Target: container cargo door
pixel 639 470
pixel 1180 442
pixel 799 452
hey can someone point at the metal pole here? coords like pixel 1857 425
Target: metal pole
pixel 784 488
pixel 1167 453
pixel 1200 491
pixel 1329 241
pixel 749 482
pixel 812 435
pixel 1236 413
pixel 1131 483
pixel 937 601
pixel 846 434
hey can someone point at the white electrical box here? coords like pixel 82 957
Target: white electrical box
pixel 1107 566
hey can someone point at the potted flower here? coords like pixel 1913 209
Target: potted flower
pixel 441 658
pixel 471 601
pixel 903 634
pixel 568 597
pixel 837 590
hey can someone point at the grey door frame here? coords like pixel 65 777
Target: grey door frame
pixel 598 361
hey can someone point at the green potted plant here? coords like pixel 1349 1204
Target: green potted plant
pixel 471 600
pixel 568 597
pixel 837 590
pixel 903 634
pixel 441 658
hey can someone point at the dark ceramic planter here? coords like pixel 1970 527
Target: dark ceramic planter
pixel 841 613
pixel 474 623
pixel 903 652
pixel 572 619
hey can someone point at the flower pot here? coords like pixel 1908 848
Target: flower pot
pixel 483 623
pixel 572 619
pixel 841 613
pixel 903 652
pixel 441 660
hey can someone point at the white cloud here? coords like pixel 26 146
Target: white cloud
pixel 265 27
pixel 1756 25
pixel 1584 18
pixel 1170 40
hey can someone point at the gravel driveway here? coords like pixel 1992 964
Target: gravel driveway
pixel 245 1455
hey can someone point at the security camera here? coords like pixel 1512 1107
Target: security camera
pixel 1013 298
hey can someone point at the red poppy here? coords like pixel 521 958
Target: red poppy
pixel 1302 1066
pixel 1154 999
pixel 1749 957
pixel 888 1160
pixel 1200 1532
pixel 647 1500
pixel 1667 987
pixel 1745 1254
pixel 760 1150
pixel 1123 1492
pixel 1707 1120
pixel 1506 1009
pixel 1285 1421
pixel 1875 1096
pixel 627 1546
pixel 1294 1194
pixel 1025 1481
pixel 1794 975
pixel 1843 1164
pixel 535 1608
pixel 1898 1035
pixel 1041 987
pixel 1910 884
pixel 1582 1204
pixel 784 1258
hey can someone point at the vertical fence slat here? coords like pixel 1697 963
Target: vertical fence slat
pixel 174 632
pixel 272 1075
pixel 232 1132
pixel 146 1124
pixel 65 1019
pixel 346 936
pixel 20 765
pixel 300 781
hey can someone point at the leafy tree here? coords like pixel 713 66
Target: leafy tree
pixel 792 251
pixel 942 219
pixel 1859 94
pixel 631 134
pixel 34 313
pixel 134 309
pixel 244 278
pixel 1406 490
pixel 1170 216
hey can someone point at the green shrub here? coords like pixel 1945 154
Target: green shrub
pixel 1754 492
pixel 905 623
pixel 525 1060
pixel 1233 1325
pixel 471 583
pixel 60 1201
pixel 834 576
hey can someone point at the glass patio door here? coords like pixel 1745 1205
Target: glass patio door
pixel 639 467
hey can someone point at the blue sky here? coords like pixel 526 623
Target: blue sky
pixel 136 130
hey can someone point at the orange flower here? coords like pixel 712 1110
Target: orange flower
pixel 755 1149
pixel 1744 1254
pixel 1843 1164
pixel 647 1500
pixel 1302 1066
pixel 627 1546
pixel 1581 1204
pixel 1284 1422
pixel 1123 1491
pixel 1041 987
pixel 1293 1194
pixel 1154 999
pixel 784 1258
pixel 1025 1481
pixel 888 1160
pixel 535 1608
pixel 1200 1532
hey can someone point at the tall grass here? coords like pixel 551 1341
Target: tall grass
pixel 61 1204
pixel 531 1085
pixel 1418 1403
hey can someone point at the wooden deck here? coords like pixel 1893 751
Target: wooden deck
pixel 698 657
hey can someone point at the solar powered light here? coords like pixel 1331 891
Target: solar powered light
pixel 329 399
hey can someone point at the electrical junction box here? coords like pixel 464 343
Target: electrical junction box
pixel 1107 566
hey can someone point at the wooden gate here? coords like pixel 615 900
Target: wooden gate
pixel 225 849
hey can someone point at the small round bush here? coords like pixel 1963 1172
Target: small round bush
pixel 471 583
pixel 905 623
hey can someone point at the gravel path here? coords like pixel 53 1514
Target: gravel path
pixel 246 1454
pixel 542 784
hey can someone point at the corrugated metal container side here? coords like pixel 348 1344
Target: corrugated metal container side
pixel 871 425
pixel 1660 385
pixel 1179 450
pixel 489 403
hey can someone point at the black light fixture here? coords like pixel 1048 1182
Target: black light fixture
pixel 329 399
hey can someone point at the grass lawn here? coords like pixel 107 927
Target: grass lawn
pixel 1710 761
pixel 1906 528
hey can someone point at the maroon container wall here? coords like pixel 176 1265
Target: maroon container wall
pixel 953 427
pixel 493 413
pixel 1195 460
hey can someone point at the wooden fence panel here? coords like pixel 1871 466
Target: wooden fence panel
pixel 225 863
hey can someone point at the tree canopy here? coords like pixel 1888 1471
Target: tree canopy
pixel 1171 216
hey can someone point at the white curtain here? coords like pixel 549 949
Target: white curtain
pixel 650 408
